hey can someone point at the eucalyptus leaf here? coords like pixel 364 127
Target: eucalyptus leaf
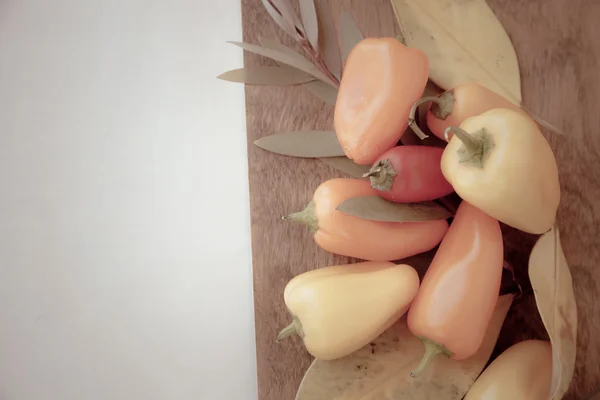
pixel 282 12
pixel 309 20
pixel 285 55
pixel 347 166
pixel 323 91
pixel 553 288
pixel 380 370
pixel 275 76
pixel 375 208
pixel 350 34
pixel 271 44
pixel 306 144
pixel 456 37
pixel 328 39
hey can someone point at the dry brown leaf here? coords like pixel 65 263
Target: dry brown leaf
pixel 464 42
pixel 307 144
pixel 350 34
pixel 347 166
pixel 328 40
pixel 309 20
pixel 374 208
pixel 553 288
pixel 380 370
pixel 323 91
pixel 284 55
pixel 275 76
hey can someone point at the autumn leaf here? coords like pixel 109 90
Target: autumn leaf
pixel 553 288
pixel 456 37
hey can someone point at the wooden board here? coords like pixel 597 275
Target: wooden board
pixel 558 45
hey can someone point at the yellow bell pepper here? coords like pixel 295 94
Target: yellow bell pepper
pixel 524 371
pixel 339 309
pixel 500 162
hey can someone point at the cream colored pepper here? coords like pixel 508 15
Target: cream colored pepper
pixel 501 163
pixel 339 309
pixel 524 371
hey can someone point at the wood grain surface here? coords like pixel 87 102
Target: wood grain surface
pixel 558 46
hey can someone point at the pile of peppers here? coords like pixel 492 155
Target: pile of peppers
pixel 496 160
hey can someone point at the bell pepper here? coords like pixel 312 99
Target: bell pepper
pixel 337 310
pixel 460 289
pixel 406 174
pixel 347 235
pixel 467 100
pixel 381 81
pixel 524 371
pixel 501 163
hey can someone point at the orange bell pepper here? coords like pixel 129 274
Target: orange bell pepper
pixel 381 81
pixel 452 107
pixel 459 292
pixel 347 235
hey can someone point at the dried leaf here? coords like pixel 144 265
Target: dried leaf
pixel 347 166
pixel 350 34
pixel 285 55
pixel 328 40
pixel 375 208
pixel 276 76
pixel 380 370
pixel 309 20
pixel 456 36
pixel 307 144
pixel 323 91
pixel 283 14
pixel 553 289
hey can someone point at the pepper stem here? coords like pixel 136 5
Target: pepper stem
pixel 443 108
pixel 411 117
pixel 375 172
pixel 381 175
pixel 432 350
pixel 469 141
pixel 306 217
pixel 476 147
pixel 293 328
pixel 444 103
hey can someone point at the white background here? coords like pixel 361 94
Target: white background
pixel 125 267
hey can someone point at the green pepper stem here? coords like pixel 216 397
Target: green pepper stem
pixel 374 172
pixel 293 328
pixel 432 350
pixel 476 147
pixel 471 144
pixel 381 175
pixel 306 217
